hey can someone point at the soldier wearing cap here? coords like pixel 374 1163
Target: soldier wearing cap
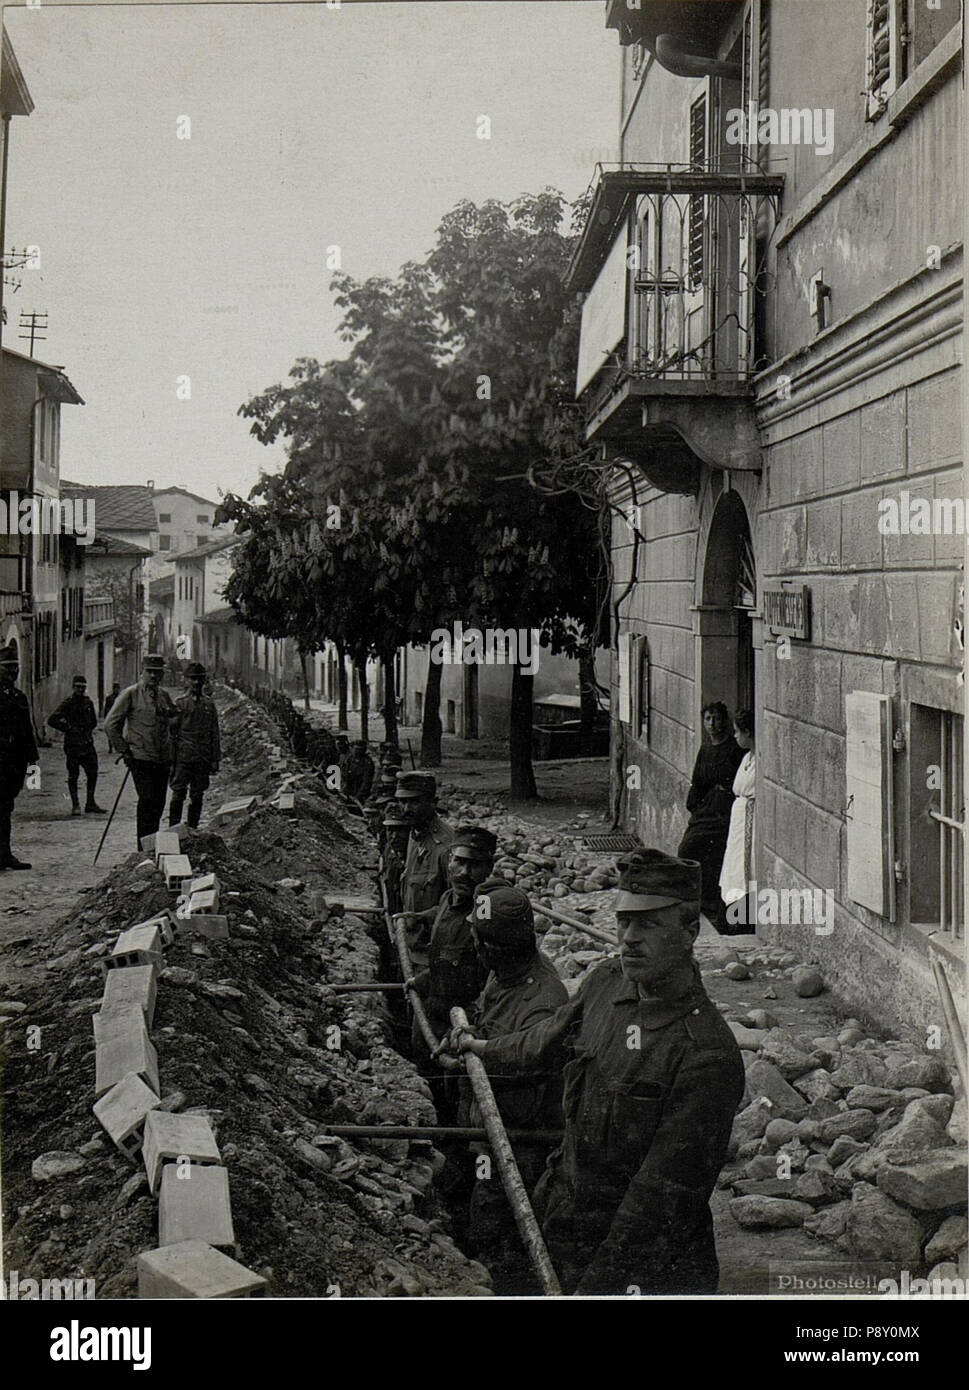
pixel 425 872
pixel 18 749
pixel 197 748
pixel 76 718
pixel 359 773
pixel 522 990
pixel 139 726
pixel 396 828
pixel 442 945
pixel 653 1079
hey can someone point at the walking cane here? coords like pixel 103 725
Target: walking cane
pixel 124 780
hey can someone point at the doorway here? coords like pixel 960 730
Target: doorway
pixel 728 602
pixel 471 701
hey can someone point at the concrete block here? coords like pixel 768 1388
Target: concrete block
pixel 204 883
pixel 193 1269
pixel 207 924
pixel 176 868
pixel 135 984
pixel 287 801
pixel 122 1111
pixel 121 1053
pixel 116 1020
pixel 842 452
pixel 169 1137
pixel 239 807
pixel 204 902
pixel 139 945
pixel 165 842
pixel 883 437
pixel 935 422
pixel 196 1206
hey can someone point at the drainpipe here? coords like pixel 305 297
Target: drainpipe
pixel 673 54
pixel 3 209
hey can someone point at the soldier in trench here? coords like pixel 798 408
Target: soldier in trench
pixel 652 1082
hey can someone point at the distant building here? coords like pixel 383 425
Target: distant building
pixel 117 564
pixel 185 521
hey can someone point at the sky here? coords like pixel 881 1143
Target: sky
pixel 311 127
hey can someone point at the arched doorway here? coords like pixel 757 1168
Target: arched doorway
pixel 728 598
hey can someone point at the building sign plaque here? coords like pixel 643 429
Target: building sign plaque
pixel 787 611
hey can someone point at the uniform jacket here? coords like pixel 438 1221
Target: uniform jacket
pixel 145 717
pixel 425 872
pixel 358 777
pixel 711 790
pixel 195 733
pixel 18 747
pixel 651 1088
pixel 532 1100
pixel 76 718
pixel 455 974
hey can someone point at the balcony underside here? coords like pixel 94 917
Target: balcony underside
pixel 669 428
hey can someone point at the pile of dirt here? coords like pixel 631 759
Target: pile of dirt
pixel 250 1033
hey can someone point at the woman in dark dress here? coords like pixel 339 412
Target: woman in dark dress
pixel 709 801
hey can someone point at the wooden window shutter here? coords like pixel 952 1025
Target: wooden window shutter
pixel 869 802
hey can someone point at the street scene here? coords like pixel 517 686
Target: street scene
pixel 482 731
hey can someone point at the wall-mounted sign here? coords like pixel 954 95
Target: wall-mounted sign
pixel 787 611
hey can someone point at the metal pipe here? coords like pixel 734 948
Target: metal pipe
pixel 517 1136
pixel 507 1167
pixel 388 985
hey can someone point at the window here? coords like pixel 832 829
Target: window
pixel 202 520
pixel 885 44
pixel 164 518
pixel 938 820
pixel 201 540
pixel 164 542
pixel 45 645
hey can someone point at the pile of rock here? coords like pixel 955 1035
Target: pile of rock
pixel 860 1142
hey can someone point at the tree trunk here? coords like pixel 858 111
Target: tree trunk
pixel 520 736
pixel 361 669
pixel 390 697
pixel 341 723
pixel 587 696
pixel 306 681
pixel 431 722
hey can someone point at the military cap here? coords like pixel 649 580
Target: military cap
pixel 153 662
pixel 650 880
pixel 9 656
pixel 411 784
pixel 391 757
pixel 502 915
pixel 482 843
pixel 79 679
pixel 195 668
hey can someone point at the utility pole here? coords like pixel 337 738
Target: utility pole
pixel 33 323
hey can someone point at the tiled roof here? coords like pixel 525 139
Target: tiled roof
pixel 114 545
pixel 122 507
pixel 209 548
pixel 162 588
pixel 219 616
pixel 183 492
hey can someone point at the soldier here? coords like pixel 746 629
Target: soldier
pixel 139 727
pixel 76 718
pixel 343 755
pixel 359 774
pixel 522 989
pixel 394 853
pixel 110 698
pixel 18 749
pixel 197 751
pixel 652 1083
pixel 442 945
pixel 425 872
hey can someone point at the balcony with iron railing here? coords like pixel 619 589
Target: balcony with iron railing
pixel 672 260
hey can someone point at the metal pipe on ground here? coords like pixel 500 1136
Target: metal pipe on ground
pixel 951 1020
pixel 517 1136
pixel 507 1167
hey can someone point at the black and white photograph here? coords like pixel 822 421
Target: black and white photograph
pixel 482 707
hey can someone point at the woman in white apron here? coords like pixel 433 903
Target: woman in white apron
pixel 737 872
